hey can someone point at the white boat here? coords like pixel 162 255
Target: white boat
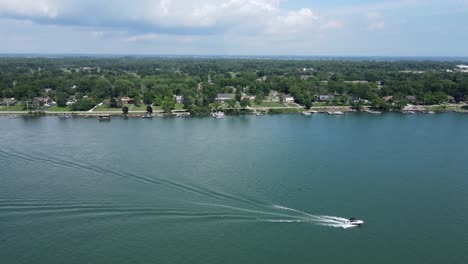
pixel 218 115
pixel 13 116
pixel 430 112
pixel 335 113
pixel 306 113
pixel 147 115
pixel 159 115
pixel 65 116
pixel 355 222
pixel 373 112
pixel 313 111
pixel 409 112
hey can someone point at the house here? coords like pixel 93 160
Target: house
pixel 249 97
pixel 9 101
pixel 223 97
pixel 356 82
pixel 411 98
pixel 451 99
pixel 262 79
pixel 179 99
pixel 461 68
pixel 387 98
pixel 325 97
pixel 41 100
pixel 288 98
pixel 126 100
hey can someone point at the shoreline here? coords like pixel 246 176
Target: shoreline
pixel 264 110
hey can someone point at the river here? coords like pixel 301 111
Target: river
pixel 248 189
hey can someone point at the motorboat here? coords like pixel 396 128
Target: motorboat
pixel 218 115
pixel 336 113
pixel 306 113
pixel 373 112
pixel 104 117
pixel 65 116
pixel 355 222
pixel 147 115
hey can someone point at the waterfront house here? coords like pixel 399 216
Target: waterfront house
pixel 126 100
pixel 9 101
pixel 41 100
pixel 451 99
pixel 325 97
pixel 387 98
pixel 249 97
pixel 288 98
pixel 223 97
pixel 411 98
pixel 179 99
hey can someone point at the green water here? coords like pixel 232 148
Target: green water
pixel 201 190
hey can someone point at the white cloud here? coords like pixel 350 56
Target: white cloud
pixel 332 24
pixel 29 8
pixel 293 22
pixel 376 26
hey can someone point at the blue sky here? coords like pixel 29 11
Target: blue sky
pixel 236 27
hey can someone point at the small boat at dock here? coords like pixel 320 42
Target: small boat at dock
pixel 335 113
pixel 104 117
pixel 218 115
pixel 372 112
pixel 306 113
pixel 64 116
pixel 147 116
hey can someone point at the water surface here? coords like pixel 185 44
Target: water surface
pixel 201 190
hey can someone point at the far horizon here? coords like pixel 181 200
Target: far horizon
pixel 335 28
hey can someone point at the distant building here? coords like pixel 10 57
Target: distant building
pixel 249 97
pixel 387 98
pixel 325 97
pixel 451 99
pixel 41 100
pixel 411 98
pixel 288 98
pixel 461 68
pixel 262 79
pixel 126 100
pixel 223 97
pixel 356 82
pixel 9 101
pixel 179 99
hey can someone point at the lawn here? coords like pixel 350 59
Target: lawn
pixel 319 104
pixel 179 106
pixel 16 107
pixel 268 104
pixel 138 108
pixel 56 108
pixel 106 108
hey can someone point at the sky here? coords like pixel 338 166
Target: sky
pixel 236 27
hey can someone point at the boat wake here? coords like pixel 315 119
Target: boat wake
pixel 290 215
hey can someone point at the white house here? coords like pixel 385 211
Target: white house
pixel 288 98
pixel 223 97
pixel 461 68
pixel 179 99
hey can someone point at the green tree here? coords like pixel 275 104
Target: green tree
pixel 125 110
pixel 168 105
pixel 149 109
